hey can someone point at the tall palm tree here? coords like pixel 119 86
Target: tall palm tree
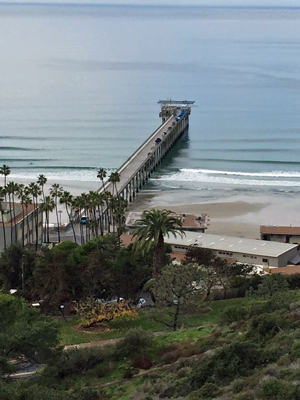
pixel 41 181
pixel 11 190
pixel 47 206
pixel 107 198
pixel 55 191
pixel 2 196
pixel 119 205
pixel 35 191
pixel 114 178
pixel 5 170
pixel 66 198
pixel 101 174
pixel 78 205
pixel 153 226
pixel 24 200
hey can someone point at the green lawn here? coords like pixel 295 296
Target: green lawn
pixel 145 320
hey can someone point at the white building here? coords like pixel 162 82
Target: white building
pixel 250 251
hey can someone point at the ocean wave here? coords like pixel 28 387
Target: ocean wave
pixel 62 174
pixel 233 178
pixel 275 174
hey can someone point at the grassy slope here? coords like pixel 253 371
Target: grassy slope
pixel 144 320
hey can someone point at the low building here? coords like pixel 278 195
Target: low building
pixel 284 234
pixel 234 249
pixel 20 225
pixel 250 251
pixel 190 222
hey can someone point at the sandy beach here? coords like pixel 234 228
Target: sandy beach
pixel 235 216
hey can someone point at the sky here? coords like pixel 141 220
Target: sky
pixel 264 3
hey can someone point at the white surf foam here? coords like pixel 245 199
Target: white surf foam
pixel 234 178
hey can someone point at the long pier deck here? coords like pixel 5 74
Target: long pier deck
pixel 138 167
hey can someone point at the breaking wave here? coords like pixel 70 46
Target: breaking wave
pixel 282 178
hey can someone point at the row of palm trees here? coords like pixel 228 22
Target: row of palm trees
pixel 104 211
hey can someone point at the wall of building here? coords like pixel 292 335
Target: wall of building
pixel 282 238
pixel 29 231
pixel 280 261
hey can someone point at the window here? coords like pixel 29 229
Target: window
pixel 266 260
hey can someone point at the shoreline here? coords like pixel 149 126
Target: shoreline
pixel 233 216
pixel 239 216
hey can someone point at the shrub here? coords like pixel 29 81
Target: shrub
pixel 141 362
pixel 270 324
pixel 296 349
pixel 274 389
pixel 284 360
pixel 208 390
pixel 101 370
pixel 233 314
pixel 73 361
pixel 134 342
pixel 237 359
pixel 293 281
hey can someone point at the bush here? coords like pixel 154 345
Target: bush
pixel 277 389
pixel 73 361
pixel 237 359
pixel 141 362
pixel 293 281
pixel 296 349
pixel 136 341
pixel 233 314
pixel 208 391
pixel 268 325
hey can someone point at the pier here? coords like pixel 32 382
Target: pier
pixel 137 169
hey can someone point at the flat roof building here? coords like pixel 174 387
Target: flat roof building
pixel 190 222
pixel 284 234
pixel 250 251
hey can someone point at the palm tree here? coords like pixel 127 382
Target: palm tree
pixel 153 226
pixel 107 198
pixel 5 170
pixel 119 205
pixel 101 174
pixel 114 178
pixel 11 190
pixel 2 196
pixel 78 204
pixel 35 191
pixel 47 206
pixel 55 192
pixel 25 201
pixel 66 199
pixel 41 181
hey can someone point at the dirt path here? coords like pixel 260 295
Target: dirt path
pixel 105 342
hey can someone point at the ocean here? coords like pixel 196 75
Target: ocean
pixel 80 85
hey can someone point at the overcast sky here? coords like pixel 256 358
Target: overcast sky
pixel 288 3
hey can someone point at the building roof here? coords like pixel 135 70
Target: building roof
pixel 232 244
pixel 189 221
pixel 288 270
pixel 280 230
pixel 126 240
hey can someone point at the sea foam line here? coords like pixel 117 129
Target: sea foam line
pixel 272 174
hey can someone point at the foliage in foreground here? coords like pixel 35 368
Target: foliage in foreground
pixel 24 332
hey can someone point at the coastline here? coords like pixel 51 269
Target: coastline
pixel 234 216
